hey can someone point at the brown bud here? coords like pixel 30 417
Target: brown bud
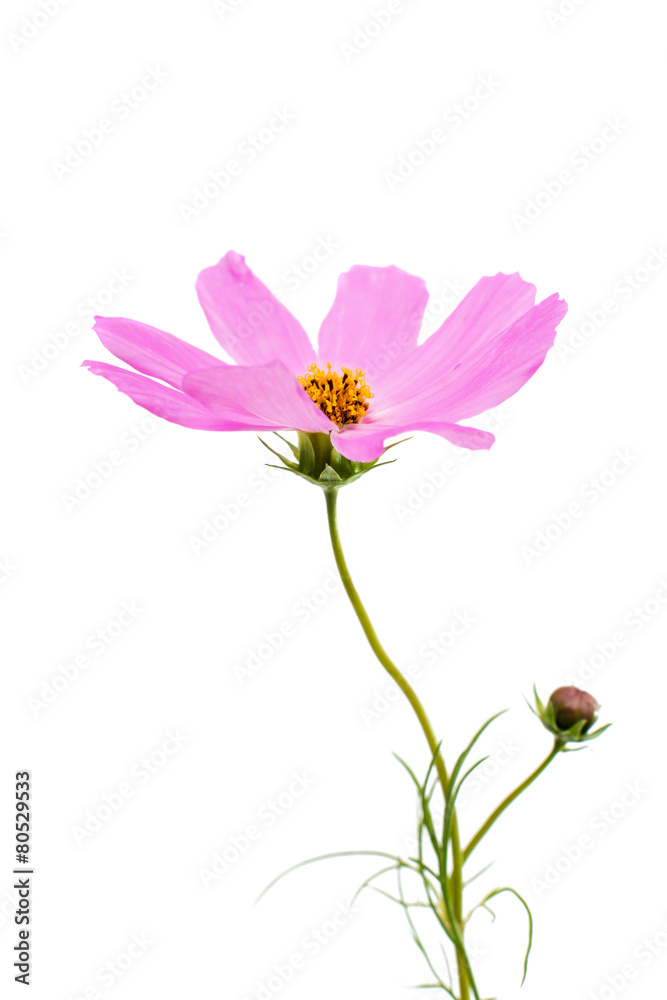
pixel 571 705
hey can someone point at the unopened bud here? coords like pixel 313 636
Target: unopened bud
pixel 571 705
pixel 569 715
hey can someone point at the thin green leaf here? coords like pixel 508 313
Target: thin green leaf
pixel 324 857
pixel 394 899
pixel 422 797
pixel 435 986
pixel 434 786
pixel 418 940
pixel 497 892
pixel 474 767
pixel 430 825
pixel 447 965
pixel 410 772
pixel 451 795
pixel 422 867
pixel 426 800
pixel 431 765
pixel 369 880
pixel 482 871
pixel 462 757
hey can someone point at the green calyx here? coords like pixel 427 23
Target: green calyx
pixel 315 459
pixel 579 732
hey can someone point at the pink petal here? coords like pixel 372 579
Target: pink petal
pixel 374 321
pixel 269 393
pixel 490 307
pixel 364 442
pixel 248 320
pixel 488 375
pixel 165 402
pixel 150 350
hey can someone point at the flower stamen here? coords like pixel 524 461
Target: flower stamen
pixel 344 398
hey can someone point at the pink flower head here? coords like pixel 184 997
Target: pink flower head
pixel 368 380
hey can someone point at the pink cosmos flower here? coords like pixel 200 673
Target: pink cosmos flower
pixel 368 380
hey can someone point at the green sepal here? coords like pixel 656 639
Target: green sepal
pixel 286 462
pixel 292 447
pixel 318 462
pixel 329 475
pixel 305 454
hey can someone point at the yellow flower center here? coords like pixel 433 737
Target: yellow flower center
pixel 344 398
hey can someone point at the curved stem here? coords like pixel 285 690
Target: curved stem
pixel 483 830
pixel 456 882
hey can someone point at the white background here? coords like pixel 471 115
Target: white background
pixel 359 103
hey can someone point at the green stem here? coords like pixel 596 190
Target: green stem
pixel 456 882
pixel 483 830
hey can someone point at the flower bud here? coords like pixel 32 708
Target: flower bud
pixel 569 715
pixel 571 705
